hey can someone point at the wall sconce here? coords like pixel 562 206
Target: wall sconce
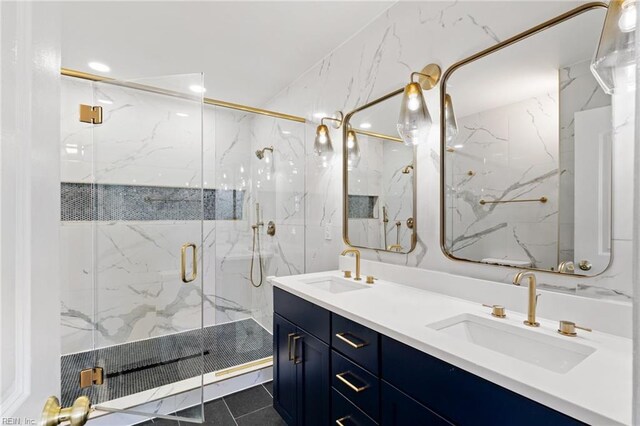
pixel 614 63
pixel 450 122
pixel 415 121
pixel 322 145
pixel 353 150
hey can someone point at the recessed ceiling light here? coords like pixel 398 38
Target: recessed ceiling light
pixel 197 88
pixel 98 66
pixel 181 114
pixel 105 101
pixel 365 125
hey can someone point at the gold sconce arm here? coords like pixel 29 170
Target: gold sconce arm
pixel 429 76
pixel 338 119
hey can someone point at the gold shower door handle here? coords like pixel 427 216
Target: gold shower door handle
pixel 183 262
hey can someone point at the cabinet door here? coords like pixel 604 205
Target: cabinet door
pixel 284 371
pixel 312 356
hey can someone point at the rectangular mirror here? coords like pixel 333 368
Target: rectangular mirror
pixel 379 179
pixel 526 151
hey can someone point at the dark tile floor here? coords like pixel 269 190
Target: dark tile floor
pixel 250 407
pixel 146 364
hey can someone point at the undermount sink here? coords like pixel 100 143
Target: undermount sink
pixel 334 284
pixel 556 354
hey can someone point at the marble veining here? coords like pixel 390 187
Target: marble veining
pixel 489 164
pixel 338 81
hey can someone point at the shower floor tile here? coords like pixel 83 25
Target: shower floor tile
pixel 142 365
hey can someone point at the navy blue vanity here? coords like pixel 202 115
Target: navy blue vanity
pixel 329 370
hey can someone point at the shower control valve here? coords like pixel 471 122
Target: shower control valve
pixel 271 228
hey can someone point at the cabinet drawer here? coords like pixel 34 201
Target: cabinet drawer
pixel 344 413
pixel 356 342
pixel 355 383
pixel 399 409
pixel 312 318
pixel 461 397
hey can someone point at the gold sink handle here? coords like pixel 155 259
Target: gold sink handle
pixel 568 328
pixel 76 415
pixel 497 311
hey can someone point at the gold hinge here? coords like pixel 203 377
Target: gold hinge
pixel 90 114
pixel 91 376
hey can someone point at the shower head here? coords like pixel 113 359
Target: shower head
pixel 407 169
pixel 260 152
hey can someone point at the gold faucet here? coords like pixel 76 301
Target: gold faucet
pixel 533 297
pixel 356 252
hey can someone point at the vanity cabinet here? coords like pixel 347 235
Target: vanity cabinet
pixel 329 370
pixel 301 389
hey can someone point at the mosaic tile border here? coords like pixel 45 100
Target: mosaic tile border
pixel 147 364
pixel 362 206
pixel 89 202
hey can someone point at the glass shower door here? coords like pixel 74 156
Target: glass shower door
pixel 148 211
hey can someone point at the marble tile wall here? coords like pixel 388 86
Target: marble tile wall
pixel 506 153
pixel 377 60
pixel 121 277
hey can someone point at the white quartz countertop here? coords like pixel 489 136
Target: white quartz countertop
pixel 597 391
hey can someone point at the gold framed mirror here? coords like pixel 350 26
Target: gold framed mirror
pixel 379 179
pixel 526 151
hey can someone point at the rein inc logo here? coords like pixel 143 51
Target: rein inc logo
pixel 17 421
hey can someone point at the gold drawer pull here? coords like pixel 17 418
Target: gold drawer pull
pixel 349 342
pixel 339 422
pixel 296 359
pixel 289 336
pixel 340 377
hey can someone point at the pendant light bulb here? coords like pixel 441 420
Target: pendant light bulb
pixel 615 60
pixel 415 121
pixel 353 150
pixel 628 17
pixel 322 145
pixel 450 122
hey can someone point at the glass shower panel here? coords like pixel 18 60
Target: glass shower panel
pixel 248 344
pixel 149 206
pixel 278 188
pixel 260 164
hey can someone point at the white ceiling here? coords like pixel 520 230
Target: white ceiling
pixel 249 51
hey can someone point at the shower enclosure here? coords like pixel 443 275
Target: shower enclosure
pixel 159 196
